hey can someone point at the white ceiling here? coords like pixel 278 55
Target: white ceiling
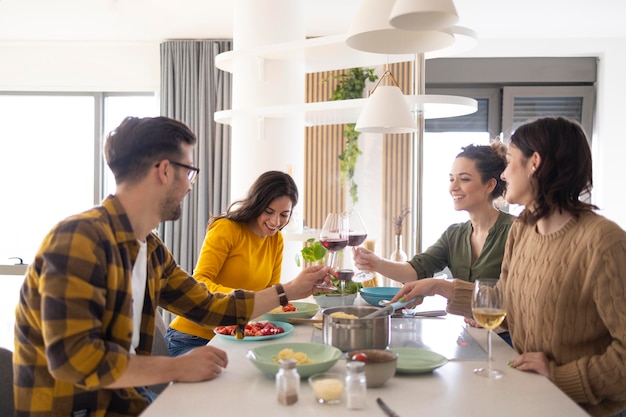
pixel 157 20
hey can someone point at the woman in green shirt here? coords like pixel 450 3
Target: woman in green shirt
pixel 469 250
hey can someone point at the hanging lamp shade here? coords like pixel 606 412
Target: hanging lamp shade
pixel 371 32
pixel 423 15
pixel 386 110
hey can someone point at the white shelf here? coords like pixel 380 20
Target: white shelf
pixel 319 54
pixel 348 111
pixel 331 53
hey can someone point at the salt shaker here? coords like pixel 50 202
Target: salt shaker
pixel 287 382
pixel 356 385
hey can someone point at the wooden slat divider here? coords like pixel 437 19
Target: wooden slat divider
pixel 323 191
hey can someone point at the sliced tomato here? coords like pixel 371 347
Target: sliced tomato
pixel 289 308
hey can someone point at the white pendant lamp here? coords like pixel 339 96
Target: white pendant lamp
pixel 429 31
pixel 423 14
pixel 386 110
pixel 371 32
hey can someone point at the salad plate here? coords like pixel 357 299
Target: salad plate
pixel 286 327
pixel 303 310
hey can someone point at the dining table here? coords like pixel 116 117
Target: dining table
pixel 449 390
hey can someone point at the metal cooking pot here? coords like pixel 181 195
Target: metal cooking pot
pixel 354 334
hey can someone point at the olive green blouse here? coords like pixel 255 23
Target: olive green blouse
pixel 453 250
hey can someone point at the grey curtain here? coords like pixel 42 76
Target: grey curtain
pixel 192 89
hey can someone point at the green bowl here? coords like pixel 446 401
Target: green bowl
pixel 303 311
pixel 324 357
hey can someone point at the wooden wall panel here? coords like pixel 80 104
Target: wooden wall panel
pixel 323 191
pixel 323 144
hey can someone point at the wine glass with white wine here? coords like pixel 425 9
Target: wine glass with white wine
pixel 488 310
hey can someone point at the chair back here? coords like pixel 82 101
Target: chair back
pixel 6 382
pixel 159 346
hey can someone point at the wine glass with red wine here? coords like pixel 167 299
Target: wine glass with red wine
pixel 342 276
pixel 334 237
pixel 356 236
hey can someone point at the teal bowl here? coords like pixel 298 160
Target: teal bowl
pixel 373 295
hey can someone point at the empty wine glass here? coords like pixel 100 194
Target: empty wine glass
pixel 334 237
pixel 488 311
pixel 356 235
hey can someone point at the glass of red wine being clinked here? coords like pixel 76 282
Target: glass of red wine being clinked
pixel 357 235
pixel 334 237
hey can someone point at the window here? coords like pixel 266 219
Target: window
pixel 51 163
pixel 52 156
pixel 443 141
pixel 47 163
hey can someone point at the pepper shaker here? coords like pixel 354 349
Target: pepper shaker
pixel 287 382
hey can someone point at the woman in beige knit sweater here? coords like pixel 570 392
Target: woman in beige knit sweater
pixel 563 272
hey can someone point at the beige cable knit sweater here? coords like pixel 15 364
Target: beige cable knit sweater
pixel 566 296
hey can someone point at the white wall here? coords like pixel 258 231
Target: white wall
pixel 135 67
pixel 79 66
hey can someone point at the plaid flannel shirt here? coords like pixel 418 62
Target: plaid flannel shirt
pixel 74 318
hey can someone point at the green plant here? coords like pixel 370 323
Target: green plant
pixel 350 86
pixel 312 253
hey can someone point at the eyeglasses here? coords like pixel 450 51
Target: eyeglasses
pixel 192 175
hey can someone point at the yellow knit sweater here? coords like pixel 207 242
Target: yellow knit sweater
pixel 233 257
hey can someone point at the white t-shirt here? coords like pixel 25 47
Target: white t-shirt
pixel 140 270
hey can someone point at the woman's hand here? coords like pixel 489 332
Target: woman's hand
pixel 532 361
pixel 365 259
pixel 424 287
pixel 472 322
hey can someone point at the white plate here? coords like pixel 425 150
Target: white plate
pixel 417 361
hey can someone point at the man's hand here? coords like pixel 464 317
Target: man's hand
pixel 305 283
pixel 300 287
pixel 201 364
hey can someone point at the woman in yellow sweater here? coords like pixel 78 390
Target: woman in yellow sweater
pixel 243 249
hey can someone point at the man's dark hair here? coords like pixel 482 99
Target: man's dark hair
pixel 137 144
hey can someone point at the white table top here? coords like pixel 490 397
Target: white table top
pixel 452 390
